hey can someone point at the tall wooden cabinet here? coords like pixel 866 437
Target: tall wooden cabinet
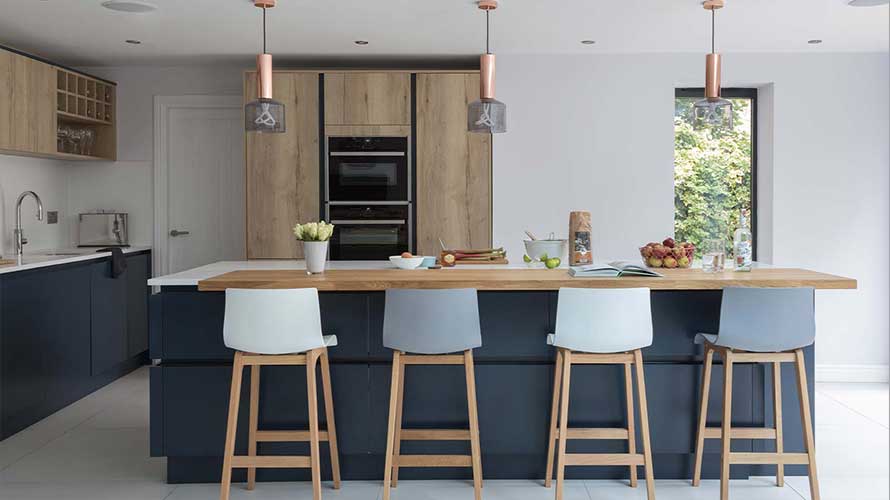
pixel 27 97
pixel 283 169
pixel 453 166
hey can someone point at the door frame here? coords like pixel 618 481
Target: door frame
pixel 162 107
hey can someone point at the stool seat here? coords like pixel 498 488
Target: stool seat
pixel 701 338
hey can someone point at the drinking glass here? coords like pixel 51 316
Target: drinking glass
pixel 714 256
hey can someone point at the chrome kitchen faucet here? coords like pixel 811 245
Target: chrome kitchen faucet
pixel 18 234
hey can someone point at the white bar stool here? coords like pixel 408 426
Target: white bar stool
pixel 278 327
pixel 600 326
pixel 759 325
pixel 431 324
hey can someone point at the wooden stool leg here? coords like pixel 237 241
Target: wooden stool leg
pixel 703 415
pixel 397 441
pixel 231 427
pixel 631 427
pixel 554 418
pixel 644 425
pixel 727 424
pixel 475 448
pixel 312 392
pixel 804 395
pixel 777 412
pixel 329 417
pixel 563 421
pixel 391 427
pixel 254 421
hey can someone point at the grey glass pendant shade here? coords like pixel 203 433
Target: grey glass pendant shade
pixel 264 115
pixel 712 112
pixel 487 116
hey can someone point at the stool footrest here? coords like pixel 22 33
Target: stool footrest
pixel 432 359
pixel 288 436
pixel 433 460
pixel 741 433
pixel 604 459
pixel 435 435
pixel 595 433
pixel 271 462
pixel 769 458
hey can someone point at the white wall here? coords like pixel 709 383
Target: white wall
pixel 49 180
pixel 596 133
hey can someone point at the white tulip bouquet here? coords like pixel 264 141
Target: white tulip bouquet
pixel 314 231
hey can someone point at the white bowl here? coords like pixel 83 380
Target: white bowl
pixel 552 248
pixel 406 263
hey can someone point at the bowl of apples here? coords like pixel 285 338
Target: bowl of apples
pixel 668 254
pixel 406 260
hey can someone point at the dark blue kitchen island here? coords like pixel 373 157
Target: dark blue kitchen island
pixel 514 373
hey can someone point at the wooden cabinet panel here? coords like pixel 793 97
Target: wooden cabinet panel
pixel 44 107
pixel 33 112
pixel 7 82
pixel 453 166
pixel 283 169
pixel 367 98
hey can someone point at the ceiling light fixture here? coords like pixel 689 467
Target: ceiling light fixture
pixel 588 42
pixel 814 41
pixel 361 42
pixel 134 42
pixel 264 114
pixel 131 6
pixel 487 115
pixel 713 110
pixel 866 3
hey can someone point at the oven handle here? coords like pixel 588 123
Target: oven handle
pixel 367 153
pixel 368 222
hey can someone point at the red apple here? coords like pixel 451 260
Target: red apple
pixel 659 251
pixel 646 252
pixel 669 242
pixel 678 252
pixel 670 262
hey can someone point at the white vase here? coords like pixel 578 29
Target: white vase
pixel 316 254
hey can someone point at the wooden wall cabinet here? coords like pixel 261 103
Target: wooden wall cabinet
pixel 37 97
pixel 282 169
pixel 453 166
pixel 367 98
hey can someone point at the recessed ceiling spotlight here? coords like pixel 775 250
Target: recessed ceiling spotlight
pixel 588 42
pixel 361 42
pixel 814 41
pixel 133 42
pixel 865 3
pixel 132 6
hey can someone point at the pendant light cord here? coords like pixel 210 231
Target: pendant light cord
pixel 487 33
pixel 264 30
pixel 713 16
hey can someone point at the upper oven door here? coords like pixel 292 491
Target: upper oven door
pixel 368 171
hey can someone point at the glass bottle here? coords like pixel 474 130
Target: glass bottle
pixel 741 244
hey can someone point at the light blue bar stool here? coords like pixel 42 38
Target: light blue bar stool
pixel 278 327
pixel 424 327
pixel 759 325
pixel 600 326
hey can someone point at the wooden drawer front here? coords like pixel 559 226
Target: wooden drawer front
pixel 367 98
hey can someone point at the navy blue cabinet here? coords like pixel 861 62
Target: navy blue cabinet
pixel 65 331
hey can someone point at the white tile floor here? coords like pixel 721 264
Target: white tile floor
pixel 97 449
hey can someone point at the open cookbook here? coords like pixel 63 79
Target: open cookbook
pixel 611 270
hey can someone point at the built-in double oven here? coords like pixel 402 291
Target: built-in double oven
pixel 368 197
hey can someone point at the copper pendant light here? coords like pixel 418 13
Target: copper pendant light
pixel 712 111
pixel 264 114
pixel 487 115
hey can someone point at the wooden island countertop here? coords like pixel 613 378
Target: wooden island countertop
pixel 364 280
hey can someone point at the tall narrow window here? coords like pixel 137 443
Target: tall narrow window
pixel 714 169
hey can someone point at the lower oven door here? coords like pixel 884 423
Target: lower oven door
pixel 368 240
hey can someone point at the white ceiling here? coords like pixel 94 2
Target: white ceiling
pixel 82 32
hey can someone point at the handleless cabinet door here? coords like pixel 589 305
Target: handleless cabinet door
pixel 27 104
pixel 453 166
pixel 367 98
pixel 7 82
pixel 282 169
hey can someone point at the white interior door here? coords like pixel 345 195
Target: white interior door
pixel 202 148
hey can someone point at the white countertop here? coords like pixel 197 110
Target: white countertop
pixel 34 259
pixel 191 277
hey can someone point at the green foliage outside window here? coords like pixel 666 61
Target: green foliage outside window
pixel 712 174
